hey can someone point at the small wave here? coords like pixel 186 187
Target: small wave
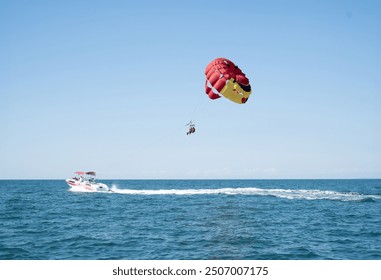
pixel 280 193
pixel 369 198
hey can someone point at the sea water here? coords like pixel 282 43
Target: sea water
pixel 192 219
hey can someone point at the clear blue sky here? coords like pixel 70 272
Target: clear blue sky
pixel 109 86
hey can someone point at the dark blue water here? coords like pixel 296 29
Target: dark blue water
pixel 192 219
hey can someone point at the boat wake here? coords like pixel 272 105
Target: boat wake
pixel 280 193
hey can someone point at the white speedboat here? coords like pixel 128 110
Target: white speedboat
pixel 85 182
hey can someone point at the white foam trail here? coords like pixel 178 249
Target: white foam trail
pixel 281 193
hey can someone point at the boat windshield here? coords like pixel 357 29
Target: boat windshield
pixel 84 176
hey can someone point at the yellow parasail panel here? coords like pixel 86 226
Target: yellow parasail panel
pixel 233 91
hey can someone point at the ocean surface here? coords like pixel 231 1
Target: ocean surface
pixel 192 219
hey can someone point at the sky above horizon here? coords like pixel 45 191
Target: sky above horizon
pixel 109 86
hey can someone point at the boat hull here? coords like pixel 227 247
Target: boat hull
pixel 87 186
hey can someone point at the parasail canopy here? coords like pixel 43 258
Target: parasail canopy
pixel 225 78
